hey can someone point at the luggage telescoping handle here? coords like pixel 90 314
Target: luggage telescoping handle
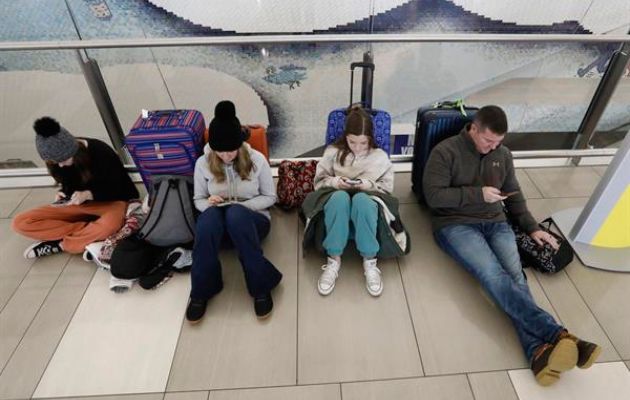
pixel 159 113
pixel 366 82
pixel 165 112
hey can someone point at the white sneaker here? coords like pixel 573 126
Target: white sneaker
pixel 92 253
pixel 326 282
pixel 184 258
pixel 373 281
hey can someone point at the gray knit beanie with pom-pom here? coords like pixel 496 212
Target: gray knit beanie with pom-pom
pixel 54 143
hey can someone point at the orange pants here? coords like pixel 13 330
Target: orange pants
pixel 75 226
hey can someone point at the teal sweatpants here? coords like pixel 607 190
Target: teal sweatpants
pixel 351 217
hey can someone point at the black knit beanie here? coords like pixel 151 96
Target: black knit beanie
pixel 54 143
pixel 225 128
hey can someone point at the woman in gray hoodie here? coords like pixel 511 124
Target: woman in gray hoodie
pixel 233 191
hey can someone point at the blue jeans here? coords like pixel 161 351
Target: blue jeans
pixel 244 229
pixel 339 211
pixel 488 251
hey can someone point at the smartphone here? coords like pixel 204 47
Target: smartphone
pixel 353 181
pixel 508 194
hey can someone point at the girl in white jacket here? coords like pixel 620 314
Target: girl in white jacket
pixel 354 165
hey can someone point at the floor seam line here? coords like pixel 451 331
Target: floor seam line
pixel 413 325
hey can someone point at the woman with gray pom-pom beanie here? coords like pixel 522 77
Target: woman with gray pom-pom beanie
pixel 92 200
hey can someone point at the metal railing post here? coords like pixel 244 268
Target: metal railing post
pixel 100 94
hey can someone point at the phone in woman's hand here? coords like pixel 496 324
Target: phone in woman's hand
pixel 353 182
pixel 62 201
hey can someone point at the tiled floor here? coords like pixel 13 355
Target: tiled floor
pixel 433 334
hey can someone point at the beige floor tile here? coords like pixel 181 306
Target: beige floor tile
pixel 316 392
pixel 601 170
pixel 144 396
pixel 544 208
pixel 458 327
pixel 13 266
pixel 529 189
pixel 605 293
pixel 349 335
pixel 187 396
pixel 26 302
pixel 606 381
pixel 37 197
pixel 564 181
pixel 139 331
pixel 574 313
pixel 402 188
pixel 25 368
pixel 230 348
pixel 429 388
pixel 492 386
pixel 10 199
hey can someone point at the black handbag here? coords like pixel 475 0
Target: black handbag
pixel 543 258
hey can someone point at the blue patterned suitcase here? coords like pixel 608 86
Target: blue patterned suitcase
pixel 381 119
pixel 433 125
pixel 166 142
pixel 382 127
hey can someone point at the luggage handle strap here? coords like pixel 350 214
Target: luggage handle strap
pixel 457 104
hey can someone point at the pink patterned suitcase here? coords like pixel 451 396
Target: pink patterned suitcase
pixel 166 142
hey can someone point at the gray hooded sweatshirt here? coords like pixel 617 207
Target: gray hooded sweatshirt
pixel 257 193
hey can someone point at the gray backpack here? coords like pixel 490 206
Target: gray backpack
pixel 171 220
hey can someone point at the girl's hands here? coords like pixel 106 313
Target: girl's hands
pixel 215 199
pixel 59 196
pixel 80 197
pixel 340 183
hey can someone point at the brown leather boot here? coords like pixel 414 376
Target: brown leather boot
pixel 587 351
pixel 552 359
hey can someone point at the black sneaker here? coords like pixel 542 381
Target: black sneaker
pixel 155 278
pixel 263 306
pixel 195 310
pixel 41 249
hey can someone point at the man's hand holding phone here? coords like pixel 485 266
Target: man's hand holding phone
pixel 492 194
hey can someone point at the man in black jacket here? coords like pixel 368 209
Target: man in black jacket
pixel 467 181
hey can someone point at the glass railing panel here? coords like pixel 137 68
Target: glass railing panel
pixel 537 84
pixel 134 82
pixel 289 88
pixel 42 83
pixel 31 20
